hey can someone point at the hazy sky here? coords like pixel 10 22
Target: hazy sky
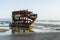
pixel 46 9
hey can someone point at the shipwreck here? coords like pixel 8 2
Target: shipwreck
pixel 22 20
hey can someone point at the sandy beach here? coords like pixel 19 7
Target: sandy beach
pixel 32 36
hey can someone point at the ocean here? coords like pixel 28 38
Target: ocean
pixel 39 34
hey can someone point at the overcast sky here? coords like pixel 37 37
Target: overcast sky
pixel 46 9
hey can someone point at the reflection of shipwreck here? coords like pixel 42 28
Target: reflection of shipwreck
pixel 22 20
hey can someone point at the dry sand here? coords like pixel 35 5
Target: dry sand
pixel 3 30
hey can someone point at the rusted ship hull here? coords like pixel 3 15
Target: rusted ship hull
pixel 22 20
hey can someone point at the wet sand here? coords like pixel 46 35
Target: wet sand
pixel 32 36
